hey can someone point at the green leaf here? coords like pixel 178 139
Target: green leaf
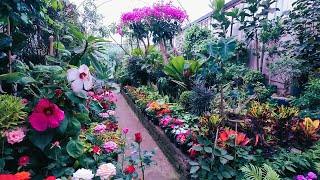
pixel 74 98
pixel 208 149
pixel 193 163
pixel 226 174
pixel 197 148
pixel 26 80
pixel 194 169
pixel 11 77
pixel 41 139
pixel 74 127
pixel 74 148
pixel 228 157
pixel 58 45
pixel 54 4
pixel 223 160
pixel 63 126
pixel 290 168
pixel 2 164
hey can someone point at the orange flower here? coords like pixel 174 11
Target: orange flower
pixel 240 139
pixel 164 106
pixel 23 175
pixel 154 105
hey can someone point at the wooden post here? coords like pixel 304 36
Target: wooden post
pixel 51 52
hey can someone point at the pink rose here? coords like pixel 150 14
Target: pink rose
pixel 15 136
pixel 110 146
pixel 125 130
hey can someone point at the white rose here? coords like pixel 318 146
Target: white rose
pixel 83 174
pixel 106 171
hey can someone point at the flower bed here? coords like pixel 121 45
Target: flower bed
pixel 266 139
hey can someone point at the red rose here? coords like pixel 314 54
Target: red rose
pixel 50 178
pixel 23 160
pixel 58 91
pixel 159 112
pixel 130 170
pixel 138 138
pixel 106 106
pixel 97 150
pixel 8 177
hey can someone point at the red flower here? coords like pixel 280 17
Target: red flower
pixel 223 136
pixel 58 91
pixel 159 112
pixel 46 115
pixel 111 102
pixel 138 138
pixel 8 177
pixel 192 153
pixel 242 140
pixel 130 170
pixel 50 178
pixel 186 73
pixel 97 150
pixel 23 160
pixel 106 106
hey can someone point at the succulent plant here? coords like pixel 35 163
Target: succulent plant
pixel 11 113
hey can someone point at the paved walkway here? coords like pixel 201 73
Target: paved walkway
pixel 127 118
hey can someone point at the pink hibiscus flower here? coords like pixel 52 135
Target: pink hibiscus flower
pixel 80 78
pixel 46 115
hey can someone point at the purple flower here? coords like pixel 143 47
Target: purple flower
pixel 311 175
pixel 300 177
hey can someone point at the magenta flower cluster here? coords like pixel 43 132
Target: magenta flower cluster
pixel 160 12
pixel 171 122
pixel 310 176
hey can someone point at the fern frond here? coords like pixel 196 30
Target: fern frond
pixel 270 174
pixel 252 172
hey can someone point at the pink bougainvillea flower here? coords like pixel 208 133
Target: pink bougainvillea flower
pixel 80 78
pixel 15 136
pixel 46 115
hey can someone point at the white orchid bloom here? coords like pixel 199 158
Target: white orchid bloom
pixel 80 78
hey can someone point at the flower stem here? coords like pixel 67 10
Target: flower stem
pixel 142 168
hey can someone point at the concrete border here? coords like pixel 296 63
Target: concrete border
pixel 179 160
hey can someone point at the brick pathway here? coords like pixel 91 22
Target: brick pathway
pixel 126 117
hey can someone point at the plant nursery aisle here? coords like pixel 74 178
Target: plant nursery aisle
pixel 127 119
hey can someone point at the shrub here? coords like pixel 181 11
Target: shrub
pixel 185 98
pixel 253 76
pixel 201 98
pixel 309 100
pixel 135 71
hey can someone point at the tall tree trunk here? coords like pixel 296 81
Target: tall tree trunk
pixel 175 51
pixel 163 51
pixel 257 48
pixel 9 51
